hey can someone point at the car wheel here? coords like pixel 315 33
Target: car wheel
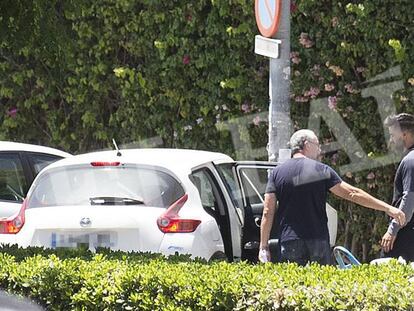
pixel 218 256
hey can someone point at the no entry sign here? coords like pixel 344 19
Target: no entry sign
pixel 267 16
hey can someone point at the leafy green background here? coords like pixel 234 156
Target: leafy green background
pixel 75 74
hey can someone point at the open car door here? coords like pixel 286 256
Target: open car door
pixel 252 178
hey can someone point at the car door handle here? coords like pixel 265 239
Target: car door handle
pixel 257 221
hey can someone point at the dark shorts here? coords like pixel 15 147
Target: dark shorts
pixel 403 245
pixel 304 251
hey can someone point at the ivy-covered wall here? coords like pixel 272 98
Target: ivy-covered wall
pixel 75 74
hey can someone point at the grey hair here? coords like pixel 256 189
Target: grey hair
pixel 298 139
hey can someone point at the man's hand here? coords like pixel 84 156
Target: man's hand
pixel 397 214
pixel 264 255
pixel 387 242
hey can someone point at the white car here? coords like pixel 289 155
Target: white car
pixel 158 200
pixel 19 165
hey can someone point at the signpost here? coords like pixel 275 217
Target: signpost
pixel 267 16
pixel 273 19
pixel 266 47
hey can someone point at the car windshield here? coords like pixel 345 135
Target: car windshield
pixel 107 185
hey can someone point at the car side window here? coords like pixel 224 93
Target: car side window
pixel 40 161
pixel 205 188
pixel 209 192
pixel 13 183
pixel 227 175
pixel 254 181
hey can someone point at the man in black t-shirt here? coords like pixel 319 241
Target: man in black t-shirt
pixel 399 240
pixel 296 196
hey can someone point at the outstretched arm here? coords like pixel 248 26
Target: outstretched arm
pixel 359 196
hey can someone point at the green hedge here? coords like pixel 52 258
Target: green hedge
pixel 120 281
pixel 75 74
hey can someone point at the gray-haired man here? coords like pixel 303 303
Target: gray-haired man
pixel 298 189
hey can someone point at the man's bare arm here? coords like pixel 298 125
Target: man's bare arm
pixel 269 210
pixel 359 196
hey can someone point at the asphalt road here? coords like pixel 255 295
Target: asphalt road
pixel 14 303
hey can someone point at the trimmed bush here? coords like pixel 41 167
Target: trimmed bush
pixel 59 280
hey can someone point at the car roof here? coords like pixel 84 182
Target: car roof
pixel 13 146
pixel 163 157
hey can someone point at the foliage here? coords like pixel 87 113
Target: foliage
pixel 75 74
pixel 133 281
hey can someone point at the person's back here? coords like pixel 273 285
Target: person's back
pixel 301 186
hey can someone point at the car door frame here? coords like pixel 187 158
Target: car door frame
pixel 231 227
pixel 237 216
pixel 253 212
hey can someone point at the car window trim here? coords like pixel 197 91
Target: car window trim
pixel 29 157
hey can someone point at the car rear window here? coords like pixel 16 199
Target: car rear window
pixel 84 185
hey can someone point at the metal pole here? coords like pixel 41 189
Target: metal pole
pixel 279 89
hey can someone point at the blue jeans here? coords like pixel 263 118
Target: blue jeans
pixel 304 251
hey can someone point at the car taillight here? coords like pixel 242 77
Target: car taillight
pixel 170 221
pixel 105 163
pixel 12 225
pixel 178 225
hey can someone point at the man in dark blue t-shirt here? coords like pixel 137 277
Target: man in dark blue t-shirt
pixel 299 188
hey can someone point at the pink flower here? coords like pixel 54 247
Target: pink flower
pixel 245 108
pixel 348 174
pixel 332 102
pixel 305 40
pixel 349 88
pixel 370 176
pixel 186 59
pixel 294 56
pixel 312 93
pixel 329 87
pixel 256 120
pixel 334 22
pixel 12 112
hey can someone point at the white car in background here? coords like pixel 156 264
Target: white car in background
pixel 19 165
pixel 158 200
